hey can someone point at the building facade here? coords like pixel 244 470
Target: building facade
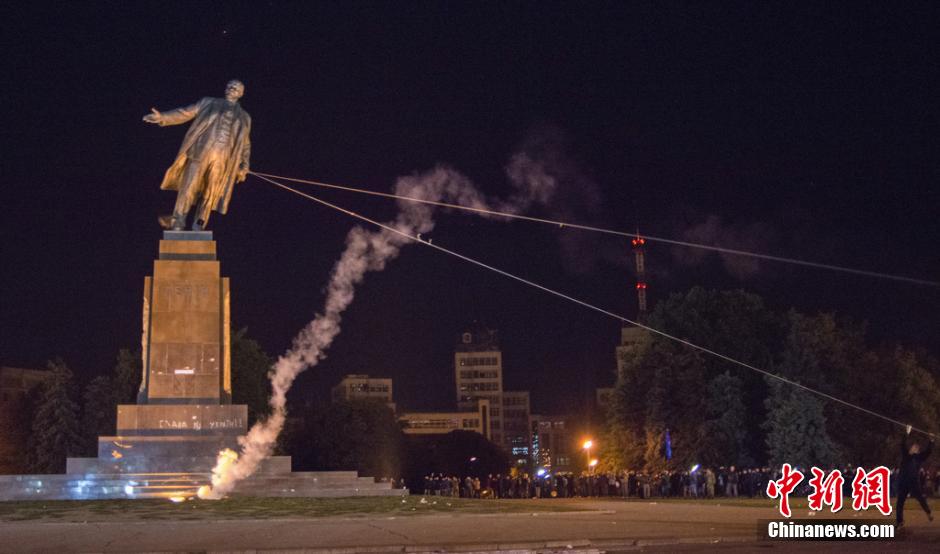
pixel 15 387
pixel 554 444
pixel 633 340
pixel 517 438
pixel 441 423
pixel 478 373
pixel 363 387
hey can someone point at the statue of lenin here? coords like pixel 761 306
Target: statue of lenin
pixel 213 157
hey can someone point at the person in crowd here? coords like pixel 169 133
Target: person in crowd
pixel 709 483
pixel 732 486
pixel 909 476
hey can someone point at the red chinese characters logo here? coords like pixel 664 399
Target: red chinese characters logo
pixel 827 490
pixel 872 489
pixel 782 487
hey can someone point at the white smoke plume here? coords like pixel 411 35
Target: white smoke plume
pixel 365 251
pixel 754 237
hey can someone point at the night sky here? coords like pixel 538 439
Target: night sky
pixel 808 132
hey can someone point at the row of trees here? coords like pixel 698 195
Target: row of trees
pixel 365 435
pixel 719 413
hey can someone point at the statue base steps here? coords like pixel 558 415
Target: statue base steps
pixel 100 486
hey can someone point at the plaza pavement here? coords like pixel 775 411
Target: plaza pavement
pixel 604 526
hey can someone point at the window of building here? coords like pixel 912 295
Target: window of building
pixel 479 360
pixel 439 423
pixel 476 374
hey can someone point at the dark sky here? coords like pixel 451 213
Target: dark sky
pixel 806 132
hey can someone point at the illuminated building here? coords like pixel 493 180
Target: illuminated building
pixel 552 446
pixel 363 387
pixel 516 435
pixel 440 423
pixel 478 371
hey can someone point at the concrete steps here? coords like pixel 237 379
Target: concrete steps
pixel 165 485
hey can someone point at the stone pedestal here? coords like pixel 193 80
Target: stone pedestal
pixel 185 339
pixel 183 416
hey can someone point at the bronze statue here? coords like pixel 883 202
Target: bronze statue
pixel 214 156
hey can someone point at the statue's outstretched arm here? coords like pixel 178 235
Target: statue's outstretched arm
pixel 172 117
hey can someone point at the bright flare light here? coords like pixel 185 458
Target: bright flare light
pixel 593 462
pixel 177 498
pixel 695 467
pixel 540 472
pixel 587 444
pixel 220 473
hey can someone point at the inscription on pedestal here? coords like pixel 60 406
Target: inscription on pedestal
pixel 182 419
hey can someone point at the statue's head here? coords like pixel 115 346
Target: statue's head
pixel 234 90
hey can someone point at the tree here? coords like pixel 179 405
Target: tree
pixel 99 415
pixel 250 367
pixel 458 453
pixel 796 424
pixel 102 396
pixel 621 445
pixel 733 322
pixel 725 431
pixel 360 435
pixel 796 428
pixel 918 391
pixel 722 414
pixel 675 400
pixel 623 442
pixel 127 375
pixel 55 432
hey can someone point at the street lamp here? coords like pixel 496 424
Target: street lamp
pixel 587 452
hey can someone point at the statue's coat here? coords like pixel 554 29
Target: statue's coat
pixel 206 113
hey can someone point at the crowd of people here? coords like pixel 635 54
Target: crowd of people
pixel 696 483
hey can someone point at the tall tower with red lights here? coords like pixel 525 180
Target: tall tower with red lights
pixel 634 339
pixel 639 253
